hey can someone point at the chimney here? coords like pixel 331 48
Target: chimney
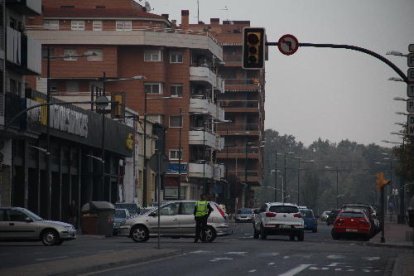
pixel 214 21
pixel 185 19
pixel 165 16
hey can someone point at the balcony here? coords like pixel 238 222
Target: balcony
pixel 199 137
pixel 27 7
pixel 23 53
pixel 251 84
pixel 200 170
pixel 205 106
pixel 203 74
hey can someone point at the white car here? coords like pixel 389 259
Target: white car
pixel 276 218
pixel 176 220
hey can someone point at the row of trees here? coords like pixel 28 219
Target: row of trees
pixel 330 174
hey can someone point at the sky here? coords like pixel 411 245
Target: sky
pixel 332 94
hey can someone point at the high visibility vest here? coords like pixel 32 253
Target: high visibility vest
pixel 201 208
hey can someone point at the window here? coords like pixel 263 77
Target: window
pixel 51 24
pixel 70 55
pixel 77 25
pixel 176 121
pixel 124 25
pixel 176 57
pixel 187 208
pixel 15 215
pixel 97 25
pixel 153 88
pixel 175 154
pixel 97 57
pixel 152 56
pixel 72 86
pixel 176 90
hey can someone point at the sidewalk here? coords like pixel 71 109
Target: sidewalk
pixel 398 236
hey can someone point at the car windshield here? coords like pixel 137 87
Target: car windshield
pixel 351 215
pixel 245 211
pixel 32 215
pixel 120 214
pixel 283 209
pixel 307 213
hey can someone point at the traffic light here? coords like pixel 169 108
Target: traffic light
pixel 118 105
pixel 253 48
pixel 381 182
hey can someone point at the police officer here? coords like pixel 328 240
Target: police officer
pixel 202 210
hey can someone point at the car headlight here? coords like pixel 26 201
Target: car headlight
pixel 69 228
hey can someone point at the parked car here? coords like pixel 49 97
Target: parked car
pixel 133 208
pixel 311 222
pixel 120 217
pixel 332 216
pixel 324 215
pixel 244 215
pixel 369 211
pixel 20 224
pixel 176 220
pixel 351 222
pixel 277 218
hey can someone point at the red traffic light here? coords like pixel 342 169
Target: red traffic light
pixel 253 48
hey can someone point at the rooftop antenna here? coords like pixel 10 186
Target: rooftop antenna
pixel 198 11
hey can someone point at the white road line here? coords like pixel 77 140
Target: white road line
pixel 236 253
pixel 221 259
pixel 296 270
pixel 272 263
pixel 50 259
pixel 371 258
pixel 252 271
pixel 199 252
pixel 334 257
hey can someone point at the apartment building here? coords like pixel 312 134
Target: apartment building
pixel 243 103
pixel 176 91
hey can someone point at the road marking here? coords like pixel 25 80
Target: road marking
pixel 252 271
pixel 296 270
pixel 371 258
pixel 272 263
pixel 199 252
pixel 236 253
pixel 334 257
pixel 221 259
pixel 50 259
pixel 333 264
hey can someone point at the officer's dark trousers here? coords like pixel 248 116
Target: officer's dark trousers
pixel 201 227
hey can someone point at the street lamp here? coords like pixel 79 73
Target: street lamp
pixel 145 169
pixel 301 161
pixel 337 182
pixel 101 103
pixel 396 53
pixel 48 98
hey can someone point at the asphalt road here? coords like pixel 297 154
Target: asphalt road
pixel 238 253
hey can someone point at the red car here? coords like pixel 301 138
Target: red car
pixel 351 222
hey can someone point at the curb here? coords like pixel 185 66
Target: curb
pixel 390 245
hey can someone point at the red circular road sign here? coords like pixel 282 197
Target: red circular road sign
pixel 288 44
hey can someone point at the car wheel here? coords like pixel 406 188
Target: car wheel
pixel 301 236
pixel 262 233
pixel 210 234
pixel 50 237
pixel 334 235
pixel 139 234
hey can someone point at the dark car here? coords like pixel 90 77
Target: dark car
pixel 133 208
pixel 332 216
pixel 311 222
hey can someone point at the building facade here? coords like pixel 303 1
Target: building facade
pixel 51 151
pixel 178 90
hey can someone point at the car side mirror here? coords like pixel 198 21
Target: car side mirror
pixel 27 219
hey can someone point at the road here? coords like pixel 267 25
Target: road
pixel 236 254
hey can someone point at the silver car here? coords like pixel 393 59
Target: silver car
pixel 20 224
pixel 176 220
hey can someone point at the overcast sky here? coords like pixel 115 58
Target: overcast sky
pixel 332 94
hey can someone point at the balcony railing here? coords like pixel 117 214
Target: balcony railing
pixel 205 106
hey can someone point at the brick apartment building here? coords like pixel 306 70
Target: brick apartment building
pixel 243 103
pixel 182 90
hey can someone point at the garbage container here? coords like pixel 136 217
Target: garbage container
pixel 410 211
pixel 97 218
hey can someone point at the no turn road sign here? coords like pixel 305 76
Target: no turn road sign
pixel 288 44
